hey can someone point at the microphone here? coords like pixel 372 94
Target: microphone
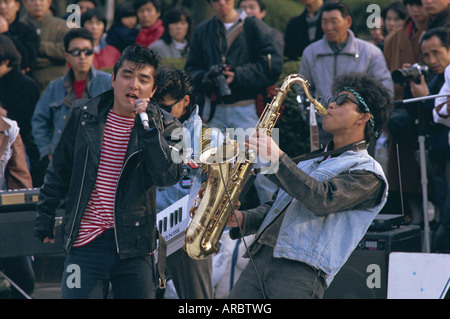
pixel 144 117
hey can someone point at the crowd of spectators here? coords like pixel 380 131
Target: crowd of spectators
pixel 45 65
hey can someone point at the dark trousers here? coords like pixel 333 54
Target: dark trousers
pixel 92 270
pixel 442 234
pixel 279 278
pixel 192 278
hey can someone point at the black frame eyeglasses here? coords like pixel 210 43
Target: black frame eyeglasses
pixel 77 52
pixel 168 108
pixel 340 99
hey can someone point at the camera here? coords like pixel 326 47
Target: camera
pixel 216 72
pixel 413 73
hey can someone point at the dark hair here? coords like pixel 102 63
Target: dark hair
pixel 8 51
pixel 398 7
pixel 176 83
pixel 261 4
pixel 139 3
pixel 93 13
pixel 77 33
pixel 417 2
pixel 376 96
pixel 93 2
pixel 442 33
pixel 141 56
pixel 342 7
pixel 174 15
pixel 123 10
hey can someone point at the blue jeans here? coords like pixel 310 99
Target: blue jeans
pixel 280 278
pixel 90 269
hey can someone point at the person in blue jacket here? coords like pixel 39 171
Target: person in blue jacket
pixel 80 81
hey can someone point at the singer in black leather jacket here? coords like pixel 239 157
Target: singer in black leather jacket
pixel 72 174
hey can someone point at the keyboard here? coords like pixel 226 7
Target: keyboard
pixel 172 222
pixel 18 199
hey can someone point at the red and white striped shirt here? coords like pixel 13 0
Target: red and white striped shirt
pixel 99 213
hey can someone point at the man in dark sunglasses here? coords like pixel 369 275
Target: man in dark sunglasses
pixel 77 52
pixel 80 81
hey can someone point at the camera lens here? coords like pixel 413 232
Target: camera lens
pixel 398 76
pixel 411 74
pixel 224 89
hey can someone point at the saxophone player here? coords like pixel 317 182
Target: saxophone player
pixel 325 204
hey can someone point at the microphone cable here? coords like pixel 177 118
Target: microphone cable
pixel 261 285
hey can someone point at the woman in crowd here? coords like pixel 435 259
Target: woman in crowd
pixel 105 55
pixel 174 42
pixel 123 31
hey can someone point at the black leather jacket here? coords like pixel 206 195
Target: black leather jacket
pixel 72 174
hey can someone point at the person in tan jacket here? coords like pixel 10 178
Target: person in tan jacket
pixel 402 46
pixel 51 63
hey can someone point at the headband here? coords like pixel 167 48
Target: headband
pixel 366 108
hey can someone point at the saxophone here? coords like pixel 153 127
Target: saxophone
pixel 216 201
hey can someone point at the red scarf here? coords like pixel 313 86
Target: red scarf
pixel 149 35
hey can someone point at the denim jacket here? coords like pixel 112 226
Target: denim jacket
pixel 51 110
pixel 192 131
pixel 324 241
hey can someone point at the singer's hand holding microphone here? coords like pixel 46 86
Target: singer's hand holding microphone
pixel 141 108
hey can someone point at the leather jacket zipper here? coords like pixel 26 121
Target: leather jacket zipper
pixel 69 238
pixel 114 209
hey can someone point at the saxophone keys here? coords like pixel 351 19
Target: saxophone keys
pixel 217 248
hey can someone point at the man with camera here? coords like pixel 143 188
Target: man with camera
pixel 231 59
pixel 423 81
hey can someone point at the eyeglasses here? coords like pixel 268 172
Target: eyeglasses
pixel 168 108
pixel 340 99
pixel 77 52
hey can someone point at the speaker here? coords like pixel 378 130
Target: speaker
pixel 365 274
pixel 17 236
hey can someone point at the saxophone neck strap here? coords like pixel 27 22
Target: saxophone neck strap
pixel 357 146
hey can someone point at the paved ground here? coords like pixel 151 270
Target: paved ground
pixel 47 290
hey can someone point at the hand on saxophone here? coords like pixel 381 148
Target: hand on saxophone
pixel 235 219
pixel 265 147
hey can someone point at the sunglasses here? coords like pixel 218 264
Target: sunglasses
pixel 340 99
pixel 77 52
pixel 168 108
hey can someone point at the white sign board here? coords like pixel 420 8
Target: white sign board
pixel 418 276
